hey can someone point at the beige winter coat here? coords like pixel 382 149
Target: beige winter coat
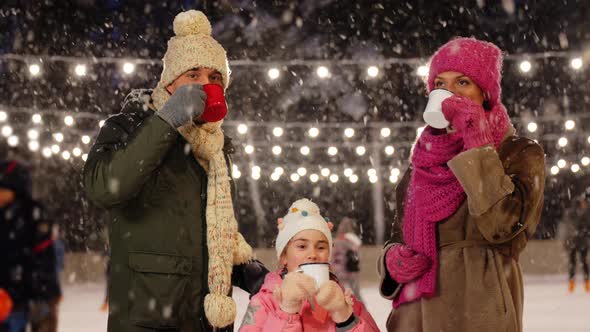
pixel 479 284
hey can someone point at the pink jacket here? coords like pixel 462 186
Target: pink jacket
pixel 265 315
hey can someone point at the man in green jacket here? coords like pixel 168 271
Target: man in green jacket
pixel 162 172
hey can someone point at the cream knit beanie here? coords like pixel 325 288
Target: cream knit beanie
pixel 303 214
pixel 192 47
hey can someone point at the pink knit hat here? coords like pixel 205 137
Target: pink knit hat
pixel 479 60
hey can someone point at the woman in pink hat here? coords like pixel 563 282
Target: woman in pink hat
pixel 469 201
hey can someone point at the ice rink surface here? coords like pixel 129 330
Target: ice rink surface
pixel 548 306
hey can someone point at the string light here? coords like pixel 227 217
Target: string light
pixel 34 69
pixel 85 139
pixel 332 151
pixel 360 150
pixel 85 156
pixel 47 152
pixel 33 134
pixel 69 121
pixel 279 170
pixel 334 178
pixel 242 129
pixel 80 70
pixel 325 172
pixel 532 127
pixel 6 130
pixel 575 168
pixel 36 118
pixel 249 149
pixel 585 161
pixel 304 150
pixel 348 172
pixel 59 137
pixel 277 131
pixel 273 73
pixel 275 176
pixel 554 170
pixel 302 171
pixel 13 141
pixel 128 68
pixel 570 124
pixel 385 132
pixel 295 177
pixel 66 155
pixel 373 71
pixel 353 178
pixel 33 145
pixel 562 142
pixel 323 72
pixel 55 149
pixel 561 163
pixel 313 132
pixel 525 66
pixel 576 63
pixel 3 116
pixel 314 178
pixel 389 150
pixel 276 150
pixel 373 179
pixel 349 132
pixel 371 172
pixel 423 71
pixel 77 152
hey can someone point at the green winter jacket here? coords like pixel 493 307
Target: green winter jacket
pixel 144 173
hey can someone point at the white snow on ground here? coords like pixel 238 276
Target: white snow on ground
pixel 548 307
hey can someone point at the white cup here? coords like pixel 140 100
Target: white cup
pixel 433 114
pixel 320 272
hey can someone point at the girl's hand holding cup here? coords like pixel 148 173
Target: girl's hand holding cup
pixel 331 297
pixel 296 288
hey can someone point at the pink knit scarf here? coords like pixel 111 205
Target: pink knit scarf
pixel 434 194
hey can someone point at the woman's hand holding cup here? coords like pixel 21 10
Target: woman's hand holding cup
pixel 469 120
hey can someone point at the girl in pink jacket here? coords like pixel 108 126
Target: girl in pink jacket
pixel 291 301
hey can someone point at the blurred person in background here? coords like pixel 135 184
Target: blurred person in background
pixel 575 232
pixel 28 261
pixel 345 256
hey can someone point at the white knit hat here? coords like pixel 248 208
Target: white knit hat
pixel 192 47
pixel 302 215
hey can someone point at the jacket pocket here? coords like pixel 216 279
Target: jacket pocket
pixel 158 289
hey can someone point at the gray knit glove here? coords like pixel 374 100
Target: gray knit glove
pixel 187 103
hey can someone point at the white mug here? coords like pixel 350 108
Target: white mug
pixel 320 272
pixel 433 114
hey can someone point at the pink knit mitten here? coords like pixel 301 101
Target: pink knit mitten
pixel 404 264
pixel 469 119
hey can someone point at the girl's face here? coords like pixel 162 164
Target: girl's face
pixel 459 84
pixel 308 246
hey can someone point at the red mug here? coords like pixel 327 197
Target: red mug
pixel 215 106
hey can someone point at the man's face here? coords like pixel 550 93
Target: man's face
pixel 7 196
pixel 200 76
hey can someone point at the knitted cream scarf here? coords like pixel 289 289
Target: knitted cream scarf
pixel 226 245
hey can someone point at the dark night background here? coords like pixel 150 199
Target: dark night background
pixel 346 36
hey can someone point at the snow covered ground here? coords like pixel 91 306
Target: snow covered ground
pixel 548 307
